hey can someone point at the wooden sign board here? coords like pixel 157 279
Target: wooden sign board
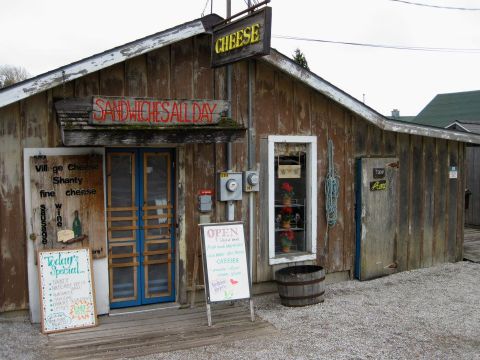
pixel 242 39
pixel 67 194
pixel 225 262
pixel 155 112
pixel 289 171
pixel 378 173
pixel 378 185
pixel 67 298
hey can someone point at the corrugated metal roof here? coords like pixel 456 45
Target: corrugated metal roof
pixel 445 109
pixel 119 54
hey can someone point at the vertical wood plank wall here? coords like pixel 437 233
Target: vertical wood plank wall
pixel 430 222
pixel 472 159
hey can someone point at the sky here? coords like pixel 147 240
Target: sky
pixel 44 35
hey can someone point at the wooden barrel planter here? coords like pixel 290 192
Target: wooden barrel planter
pixel 301 285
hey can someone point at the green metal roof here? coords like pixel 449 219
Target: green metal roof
pixel 445 109
pixel 409 119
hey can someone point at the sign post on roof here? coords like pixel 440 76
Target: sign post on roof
pixel 242 39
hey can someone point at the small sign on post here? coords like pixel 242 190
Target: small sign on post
pixel 242 39
pixel 225 266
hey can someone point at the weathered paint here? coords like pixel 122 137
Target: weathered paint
pixel 284 103
pixel 290 67
pixel 98 62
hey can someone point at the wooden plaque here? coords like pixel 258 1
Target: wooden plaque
pixel 67 193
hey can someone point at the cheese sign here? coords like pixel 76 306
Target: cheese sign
pixel 225 262
pixel 242 39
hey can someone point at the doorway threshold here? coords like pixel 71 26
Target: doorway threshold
pixel 143 309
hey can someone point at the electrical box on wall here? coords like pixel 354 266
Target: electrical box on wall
pixel 251 181
pixel 205 200
pixel 229 186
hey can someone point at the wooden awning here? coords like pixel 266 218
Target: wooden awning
pixel 77 129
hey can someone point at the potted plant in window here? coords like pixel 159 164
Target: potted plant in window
pixel 286 239
pixel 287 193
pixel 287 216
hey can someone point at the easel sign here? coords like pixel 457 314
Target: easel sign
pixel 67 298
pixel 225 264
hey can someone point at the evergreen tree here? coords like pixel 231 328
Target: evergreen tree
pixel 300 59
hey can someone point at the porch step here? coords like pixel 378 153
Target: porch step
pixel 146 333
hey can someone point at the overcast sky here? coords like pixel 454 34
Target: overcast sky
pixel 44 35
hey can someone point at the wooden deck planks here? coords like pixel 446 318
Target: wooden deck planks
pixel 157 331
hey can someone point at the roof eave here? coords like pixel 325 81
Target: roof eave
pixel 97 62
pixel 290 67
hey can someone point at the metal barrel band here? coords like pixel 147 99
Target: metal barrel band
pixel 301 282
pixel 302 297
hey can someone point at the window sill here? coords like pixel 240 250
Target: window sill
pixel 293 257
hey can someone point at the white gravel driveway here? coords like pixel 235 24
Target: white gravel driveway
pixel 430 313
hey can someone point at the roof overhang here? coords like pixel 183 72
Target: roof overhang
pixel 97 62
pixel 77 128
pixel 332 92
pixel 119 54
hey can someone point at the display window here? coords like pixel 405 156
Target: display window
pixel 292 198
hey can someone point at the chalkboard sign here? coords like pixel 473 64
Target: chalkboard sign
pixel 225 262
pixel 66 290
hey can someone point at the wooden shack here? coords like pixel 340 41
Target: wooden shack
pixel 279 123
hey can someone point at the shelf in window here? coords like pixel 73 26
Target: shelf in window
pixel 291 205
pixel 292 228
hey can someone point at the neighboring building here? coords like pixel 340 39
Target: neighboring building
pixel 395 115
pixel 446 110
pixel 111 109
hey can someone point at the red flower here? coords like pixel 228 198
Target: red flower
pixel 287 187
pixel 287 210
pixel 287 190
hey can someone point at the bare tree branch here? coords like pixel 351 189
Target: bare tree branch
pixel 10 75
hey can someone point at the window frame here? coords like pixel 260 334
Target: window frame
pixel 311 191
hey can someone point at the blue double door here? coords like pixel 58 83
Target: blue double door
pixel 140 222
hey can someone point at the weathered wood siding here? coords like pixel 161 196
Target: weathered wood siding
pixel 429 228
pixel 28 123
pixel 472 161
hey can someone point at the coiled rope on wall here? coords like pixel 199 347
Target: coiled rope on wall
pixel 332 183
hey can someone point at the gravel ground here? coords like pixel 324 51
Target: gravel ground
pixel 430 313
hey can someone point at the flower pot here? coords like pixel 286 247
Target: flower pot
pixel 286 249
pixel 287 200
pixel 286 224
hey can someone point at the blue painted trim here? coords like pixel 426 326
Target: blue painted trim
pixel 139 191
